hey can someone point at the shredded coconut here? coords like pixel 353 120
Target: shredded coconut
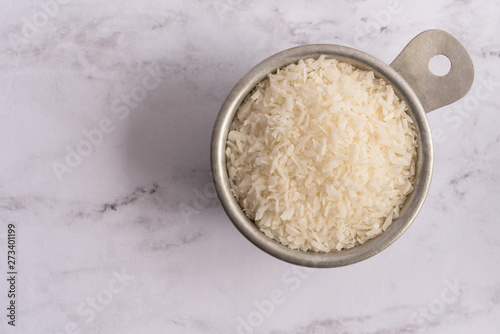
pixel 321 155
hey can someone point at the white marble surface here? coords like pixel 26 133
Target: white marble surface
pixel 140 207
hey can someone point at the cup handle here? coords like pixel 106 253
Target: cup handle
pixel 432 90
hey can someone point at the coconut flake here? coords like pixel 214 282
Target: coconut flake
pixel 322 155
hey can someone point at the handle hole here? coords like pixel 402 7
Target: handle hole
pixel 440 65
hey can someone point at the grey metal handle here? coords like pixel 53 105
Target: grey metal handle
pixel 432 90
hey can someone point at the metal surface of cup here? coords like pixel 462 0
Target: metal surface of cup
pixel 412 81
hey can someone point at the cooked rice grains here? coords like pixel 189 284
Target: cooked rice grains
pixel 321 155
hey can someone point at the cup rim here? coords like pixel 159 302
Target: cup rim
pixel 414 201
